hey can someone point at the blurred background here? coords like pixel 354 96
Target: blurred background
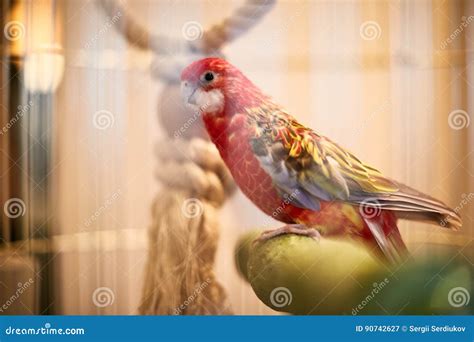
pixel 391 80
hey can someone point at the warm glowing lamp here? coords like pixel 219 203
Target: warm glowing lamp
pixel 35 34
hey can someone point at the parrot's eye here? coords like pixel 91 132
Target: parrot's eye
pixel 208 76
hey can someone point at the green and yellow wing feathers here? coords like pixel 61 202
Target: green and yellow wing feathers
pixel 306 168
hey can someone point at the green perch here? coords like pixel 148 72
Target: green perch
pixel 299 275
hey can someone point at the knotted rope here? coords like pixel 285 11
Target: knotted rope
pixel 239 22
pixel 179 276
pixel 172 54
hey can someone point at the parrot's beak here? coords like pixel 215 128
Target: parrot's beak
pixel 188 91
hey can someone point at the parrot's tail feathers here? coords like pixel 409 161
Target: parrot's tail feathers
pixel 411 204
pixel 447 219
pixel 391 247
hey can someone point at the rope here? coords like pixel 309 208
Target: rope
pixel 243 19
pixel 195 165
pixel 179 277
pixel 171 55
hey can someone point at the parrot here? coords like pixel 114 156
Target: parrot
pixel 310 183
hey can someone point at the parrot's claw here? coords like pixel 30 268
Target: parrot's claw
pixel 297 229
